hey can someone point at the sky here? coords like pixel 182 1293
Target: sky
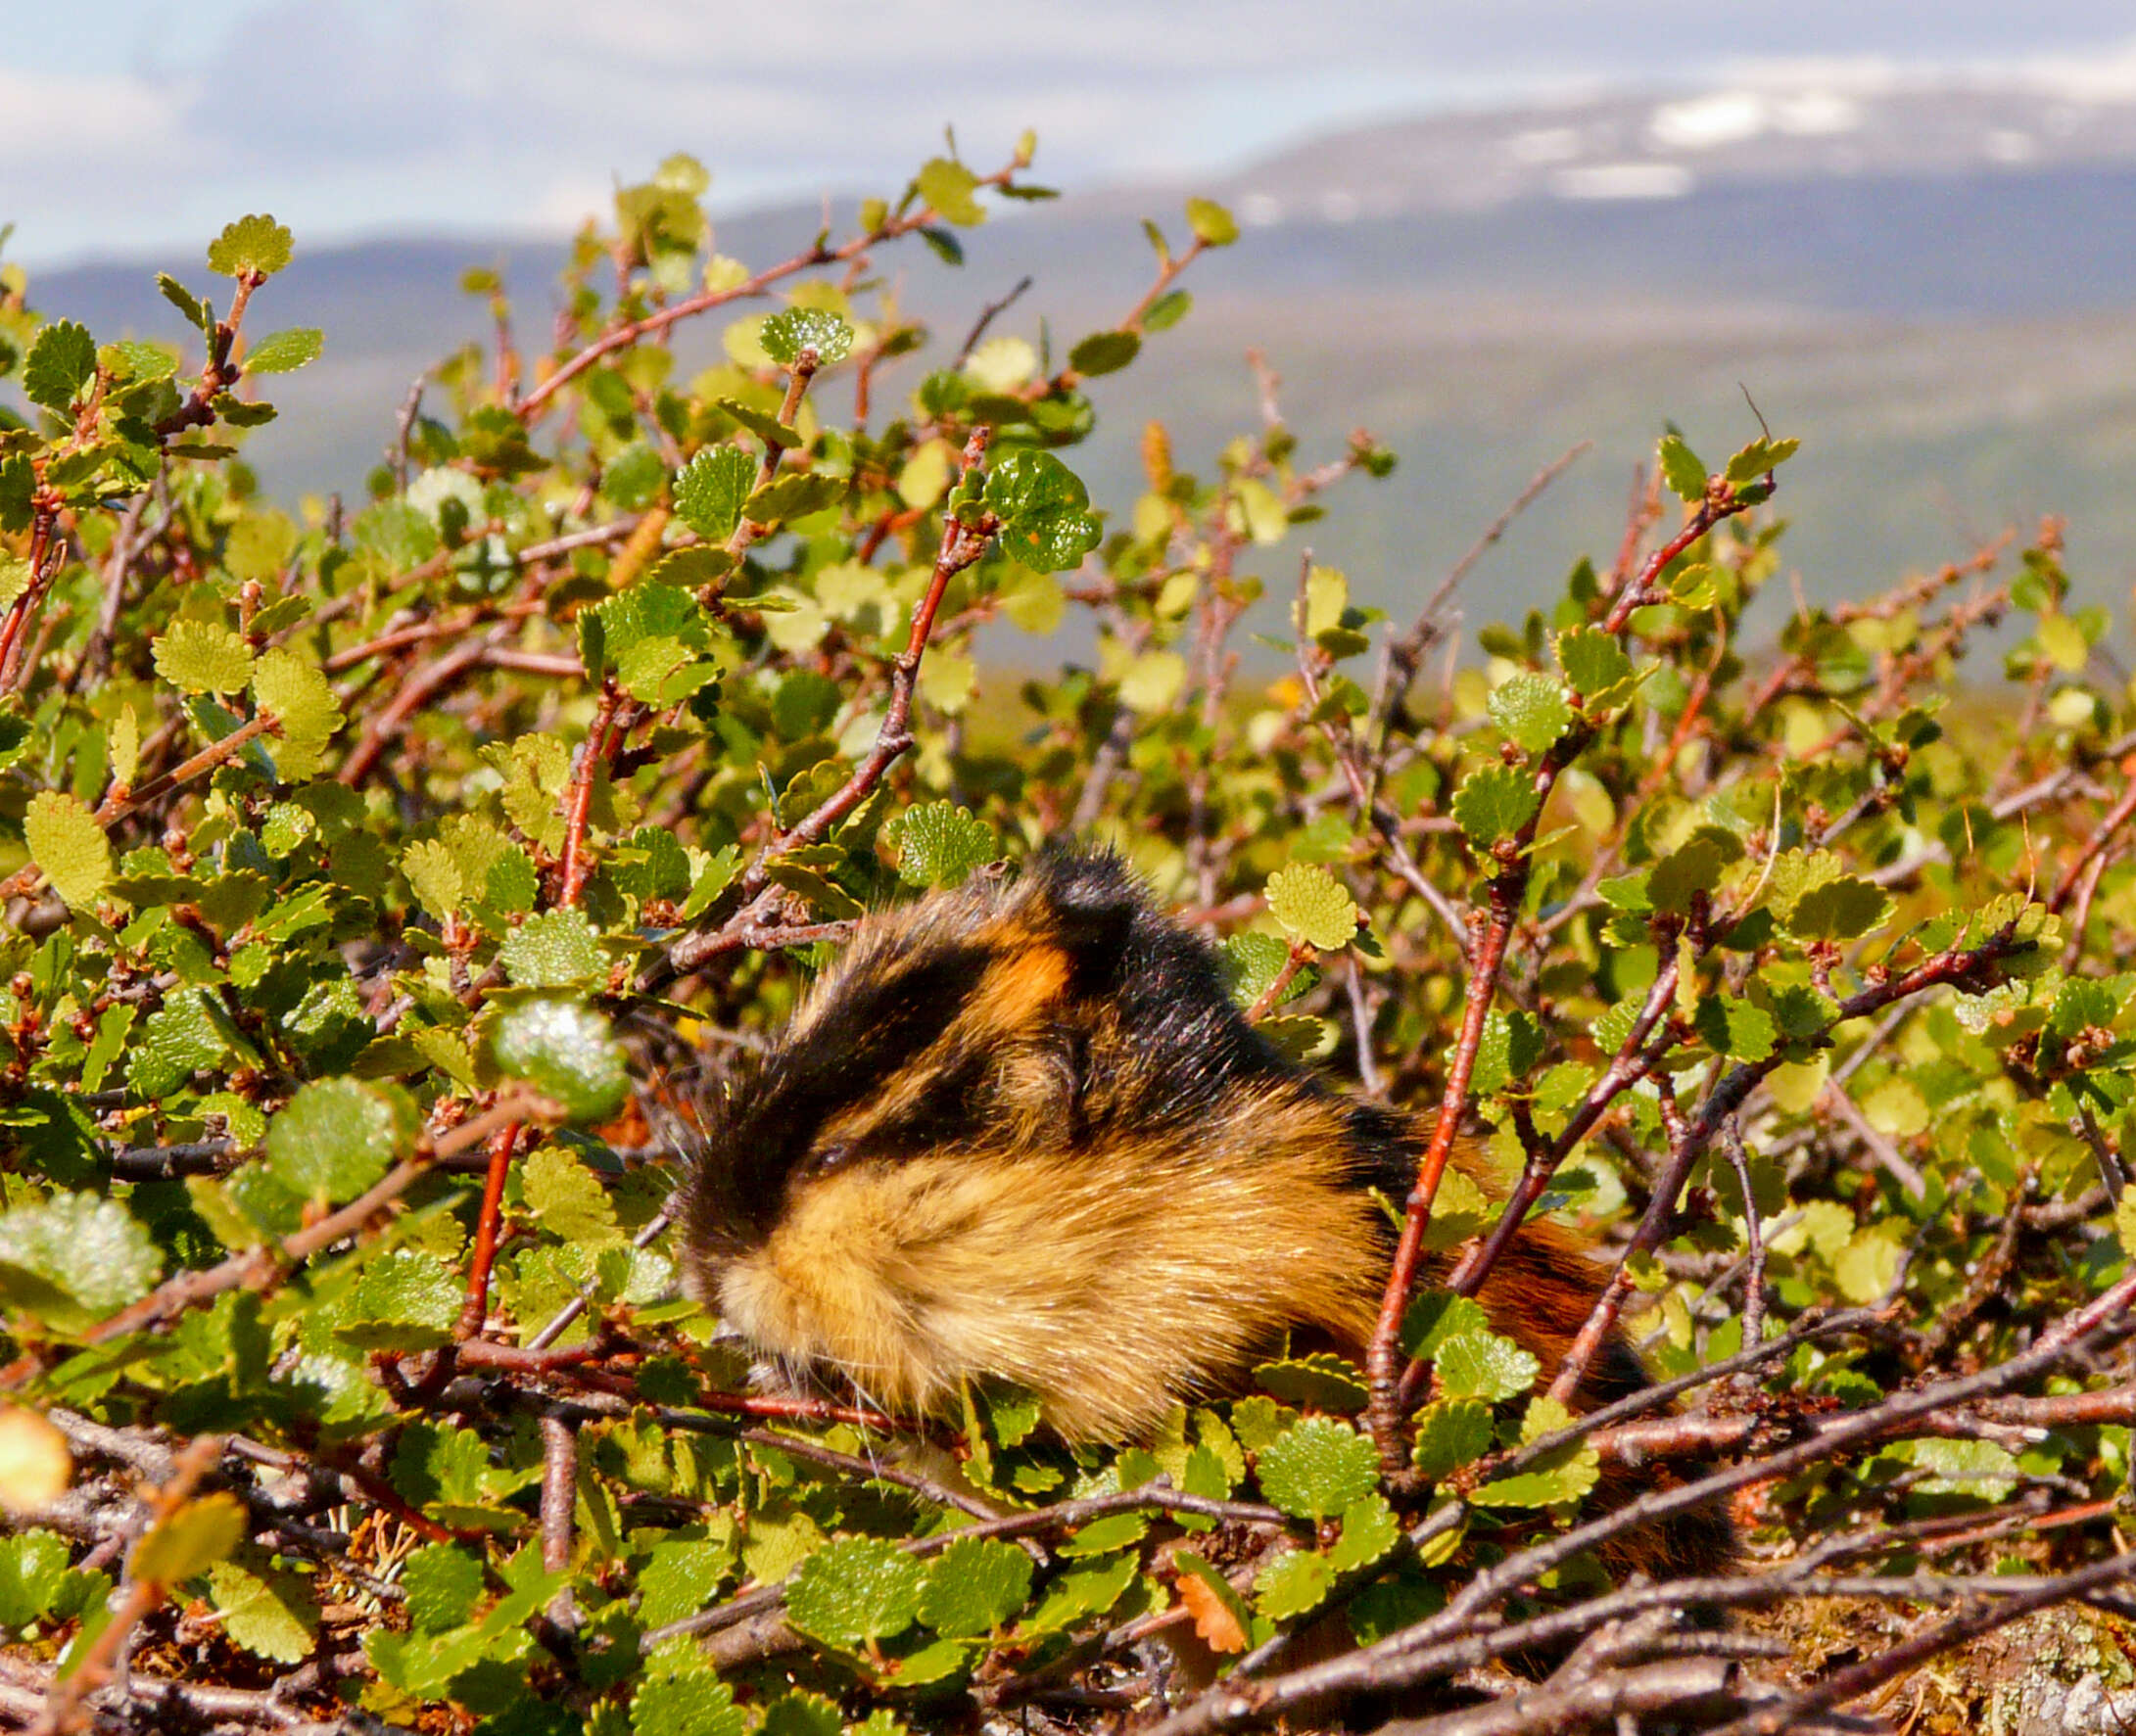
pixel 132 125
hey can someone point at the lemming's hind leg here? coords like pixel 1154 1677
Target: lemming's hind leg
pixel 1540 1294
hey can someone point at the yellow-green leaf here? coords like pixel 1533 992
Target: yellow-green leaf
pixel 190 1540
pixel 204 657
pixel 66 843
pixel 1310 904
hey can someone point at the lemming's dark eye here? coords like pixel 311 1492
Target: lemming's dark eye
pixel 832 1157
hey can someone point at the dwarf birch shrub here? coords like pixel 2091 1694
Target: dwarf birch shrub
pixel 385 877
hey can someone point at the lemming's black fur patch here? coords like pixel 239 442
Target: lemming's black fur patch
pixel 1144 1037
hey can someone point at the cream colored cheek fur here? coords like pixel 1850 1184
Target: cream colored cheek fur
pixel 1107 1285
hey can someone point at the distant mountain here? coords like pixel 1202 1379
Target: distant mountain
pixel 1931 284
pixel 1782 128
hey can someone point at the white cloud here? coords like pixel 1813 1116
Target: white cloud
pixel 57 118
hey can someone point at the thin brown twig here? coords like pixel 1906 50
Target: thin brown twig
pixel 256 1267
pixel 1973 967
pixel 65 1706
pixel 961 545
pixel 653 324
pixel 1406 653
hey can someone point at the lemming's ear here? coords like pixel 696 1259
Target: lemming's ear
pixel 1088 900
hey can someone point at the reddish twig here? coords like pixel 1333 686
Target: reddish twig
pixel 593 753
pixel 257 1267
pixel 414 695
pixel 476 1309
pixel 1508 890
pixel 1270 998
pixel 122 801
pixel 622 337
pixel 961 545
pixel 2114 818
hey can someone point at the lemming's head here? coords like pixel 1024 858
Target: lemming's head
pixel 1033 1013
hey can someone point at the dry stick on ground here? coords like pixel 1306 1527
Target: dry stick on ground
pixel 1395 1668
pixel 1858 1678
pixel 1507 890
pixel 1409 1657
pixel 1693 1689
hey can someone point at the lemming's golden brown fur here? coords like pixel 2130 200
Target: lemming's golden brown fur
pixel 1020 1133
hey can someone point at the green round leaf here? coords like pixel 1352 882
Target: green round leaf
pixel 951 188
pixel 190 1540
pixel 282 353
pixel 1450 1433
pixel 1681 468
pixel 975 1586
pixel 709 490
pixel 1294 1584
pixel 251 244
pixel 555 950
pixel 856 1589
pixel 1595 665
pixel 566 1051
pixel 336 1137
pixel 1483 1365
pixel 204 657
pixel 1369 1530
pixel 60 363
pixel 272 1617
pixel 1565 1474
pixel 1213 225
pixel 1494 802
pixel 75 1258
pixel 1043 508
pixel 1318 1468
pixel 940 844
pixel 1104 352
pixel 1532 711
pixel 785 335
